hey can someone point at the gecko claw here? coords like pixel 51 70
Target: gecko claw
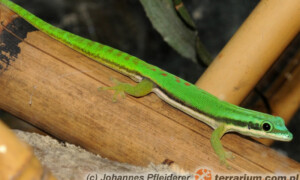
pixel 224 162
pixel 122 94
pixel 115 97
pixel 118 88
pixel 102 88
pixel 229 155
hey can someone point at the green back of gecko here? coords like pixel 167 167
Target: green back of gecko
pixel 237 119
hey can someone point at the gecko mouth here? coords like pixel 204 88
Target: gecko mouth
pixel 286 137
pixel 282 137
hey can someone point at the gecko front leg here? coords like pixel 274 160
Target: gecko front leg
pixel 217 145
pixel 141 89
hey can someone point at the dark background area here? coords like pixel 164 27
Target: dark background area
pixel 124 25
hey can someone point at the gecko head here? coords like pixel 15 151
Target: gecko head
pixel 276 129
pixel 272 128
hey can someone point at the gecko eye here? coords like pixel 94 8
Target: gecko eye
pixel 266 126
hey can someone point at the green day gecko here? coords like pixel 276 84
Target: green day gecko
pixel 220 115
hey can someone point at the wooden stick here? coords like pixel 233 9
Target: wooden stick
pixel 252 50
pixel 55 88
pixel 17 160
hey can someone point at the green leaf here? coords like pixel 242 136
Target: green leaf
pixel 165 20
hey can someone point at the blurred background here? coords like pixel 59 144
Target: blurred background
pixel 123 24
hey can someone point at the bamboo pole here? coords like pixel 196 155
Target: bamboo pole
pixel 17 160
pixel 286 101
pixel 55 88
pixel 284 94
pixel 252 50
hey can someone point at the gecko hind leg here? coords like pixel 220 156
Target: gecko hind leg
pixel 141 89
pixel 217 145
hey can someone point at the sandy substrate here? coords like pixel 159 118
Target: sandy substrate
pixel 67 161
